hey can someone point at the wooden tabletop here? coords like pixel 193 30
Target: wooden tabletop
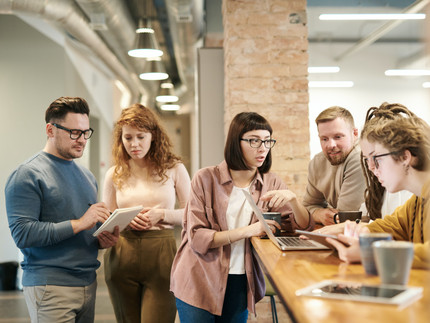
pixel 289 271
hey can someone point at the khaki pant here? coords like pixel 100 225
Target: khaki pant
pixel 61 304
pixel 137 273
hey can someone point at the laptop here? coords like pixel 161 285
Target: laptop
pixel 283 243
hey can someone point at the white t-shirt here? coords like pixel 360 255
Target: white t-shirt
pixel 391 202
pixel 238 215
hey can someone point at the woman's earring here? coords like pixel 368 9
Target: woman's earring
pixel 406 167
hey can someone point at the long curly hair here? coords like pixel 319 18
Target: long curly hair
pixel 375 117
pixel 160 158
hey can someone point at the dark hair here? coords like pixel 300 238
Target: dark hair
pixel 242 123
pixel 58 109
pixel 160 157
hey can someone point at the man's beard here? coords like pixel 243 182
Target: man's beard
pixel 338 159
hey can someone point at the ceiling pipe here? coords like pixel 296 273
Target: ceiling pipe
pixel 186 20
pixel 370 39
pixel 69 16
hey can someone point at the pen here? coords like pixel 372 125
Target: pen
pixel 89 204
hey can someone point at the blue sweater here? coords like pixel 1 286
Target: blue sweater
pixel 42 196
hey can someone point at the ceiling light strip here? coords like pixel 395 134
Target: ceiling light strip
pixel 324 84
pixel 405 72
pixel 323 69
pixel 373 16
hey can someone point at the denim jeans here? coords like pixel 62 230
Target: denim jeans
pixel 234 308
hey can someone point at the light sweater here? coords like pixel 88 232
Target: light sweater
pixel 340 187
pixel 152 193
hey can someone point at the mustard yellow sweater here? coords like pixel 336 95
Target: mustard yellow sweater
pixel 401 222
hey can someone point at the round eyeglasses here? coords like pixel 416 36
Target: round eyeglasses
pixel 375 160
pixel 256 143
pixel 75 134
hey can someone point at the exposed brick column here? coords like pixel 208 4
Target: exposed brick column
pixel 265 65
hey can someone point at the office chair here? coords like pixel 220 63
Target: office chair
pixel 270 291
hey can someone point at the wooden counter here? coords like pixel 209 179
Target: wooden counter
pixel 289 271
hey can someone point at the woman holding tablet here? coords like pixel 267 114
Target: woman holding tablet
pixel 214 274
pixel 147 173
pixel 400 160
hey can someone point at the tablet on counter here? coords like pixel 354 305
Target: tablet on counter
pixel 385 294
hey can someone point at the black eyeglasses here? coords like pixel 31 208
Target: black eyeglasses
pixel 75 134
pixel 256 143
pixel 375 160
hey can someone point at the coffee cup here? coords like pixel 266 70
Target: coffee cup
pixel 275 216
pixel 366 250
pixel 342 216
pixel 394 261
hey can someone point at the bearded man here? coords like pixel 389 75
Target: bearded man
pixel 335 179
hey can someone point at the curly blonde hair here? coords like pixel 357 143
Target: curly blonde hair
pixel 160 158
pixel 398 129
pixel 374 193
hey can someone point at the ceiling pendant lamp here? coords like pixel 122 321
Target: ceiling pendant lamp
pixel 153 70
pixel 166 94
pixel 145 43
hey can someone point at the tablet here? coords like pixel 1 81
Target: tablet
pixel 319 237
pixel 121 218
pixel 385 294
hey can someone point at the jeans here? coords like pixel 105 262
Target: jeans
pixel 234 309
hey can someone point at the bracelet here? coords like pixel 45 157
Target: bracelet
pixel 228 237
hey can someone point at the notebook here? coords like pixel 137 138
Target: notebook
pixel 283 243
pixel 120 217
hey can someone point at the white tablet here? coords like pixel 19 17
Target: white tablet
pixel 385 294
pixel 120 217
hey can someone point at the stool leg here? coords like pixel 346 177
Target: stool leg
pixel 274 313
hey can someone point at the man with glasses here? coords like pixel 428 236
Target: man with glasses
pixel 335 179
pixel 47 200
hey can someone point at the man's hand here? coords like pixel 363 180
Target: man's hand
pixel 96 213
pixel 324 216
pixel 107 239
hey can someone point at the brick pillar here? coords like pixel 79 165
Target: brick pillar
pixel 265 65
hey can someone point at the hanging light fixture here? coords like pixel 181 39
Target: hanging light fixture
pixel 154 70
pixel 145 42
pixel 166 93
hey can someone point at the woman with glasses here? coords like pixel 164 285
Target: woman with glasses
pixel 215 276
pixel 400 160
pixel 147 173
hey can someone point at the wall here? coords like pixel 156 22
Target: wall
pixel 265 65
pixel 211 106
pixel 35 70
pixel 371 87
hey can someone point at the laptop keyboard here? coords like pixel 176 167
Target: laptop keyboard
pixel 295 242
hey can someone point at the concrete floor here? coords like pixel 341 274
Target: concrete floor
pixel 14 310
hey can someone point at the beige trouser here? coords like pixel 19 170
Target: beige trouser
pixel 137 273
pixel 61 304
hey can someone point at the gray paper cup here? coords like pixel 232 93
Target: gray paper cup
pixel 366 250
pixel 394 261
